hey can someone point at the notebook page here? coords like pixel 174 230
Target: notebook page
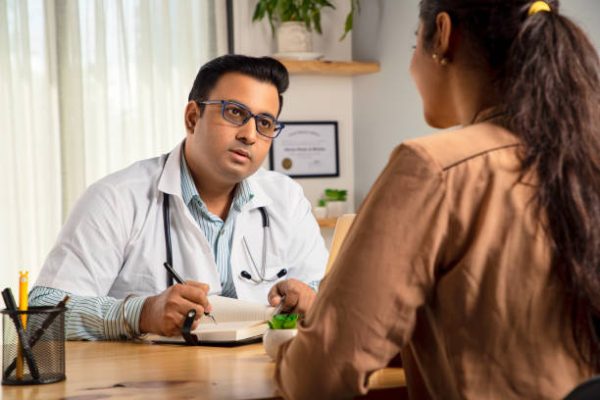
pixel 226 309
pixel 230 331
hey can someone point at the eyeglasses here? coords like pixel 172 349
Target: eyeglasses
pixel 238 114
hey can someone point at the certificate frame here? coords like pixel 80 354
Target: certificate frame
pixel 306 149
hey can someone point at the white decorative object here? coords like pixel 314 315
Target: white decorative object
pixel 293 37
pixel 298 56
pixel 336 208
pixel 320 212
pixel 274 338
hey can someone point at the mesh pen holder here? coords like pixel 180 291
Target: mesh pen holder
pixel 45 335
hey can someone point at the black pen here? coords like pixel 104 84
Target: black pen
pixel 178 278
pixel 11 306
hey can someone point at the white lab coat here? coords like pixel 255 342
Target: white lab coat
pixel 113 243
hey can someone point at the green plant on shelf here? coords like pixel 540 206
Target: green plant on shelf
pixel 305 11
pixel 335 195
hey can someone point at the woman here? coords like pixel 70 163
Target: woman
pixel 477 252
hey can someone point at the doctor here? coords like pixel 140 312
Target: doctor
pixel 225 225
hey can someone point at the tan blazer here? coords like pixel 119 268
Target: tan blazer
pixel 448 262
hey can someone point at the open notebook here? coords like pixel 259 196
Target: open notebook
pixel 238 322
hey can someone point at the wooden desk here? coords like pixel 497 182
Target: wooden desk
pixel 111 370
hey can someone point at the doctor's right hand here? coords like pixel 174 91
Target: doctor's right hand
pixel 165 313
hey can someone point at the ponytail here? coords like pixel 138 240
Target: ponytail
pixel 547 74
pixel 552 100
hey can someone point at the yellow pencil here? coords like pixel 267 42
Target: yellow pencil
pixel 23 306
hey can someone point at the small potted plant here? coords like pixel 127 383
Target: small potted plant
pixel 294 20
pixel 320 211
pixel 336 202
pixel 282 327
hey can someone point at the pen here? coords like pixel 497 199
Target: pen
pixel 11 306
pixel 180 280
pixel 279 306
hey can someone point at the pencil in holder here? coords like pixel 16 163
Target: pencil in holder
pixel 42 359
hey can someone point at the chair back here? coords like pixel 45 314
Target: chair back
pixel 588 390
pixel 341 229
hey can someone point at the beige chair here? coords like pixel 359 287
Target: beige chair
pixel 341 229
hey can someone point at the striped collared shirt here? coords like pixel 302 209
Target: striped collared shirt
pixel 218 233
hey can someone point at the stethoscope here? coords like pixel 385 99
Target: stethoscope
pixel 260 276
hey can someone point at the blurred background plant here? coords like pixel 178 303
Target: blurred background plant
pixel 305 11
pixel 335 195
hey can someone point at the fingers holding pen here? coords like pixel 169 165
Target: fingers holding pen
pixel 197 292
pixel 165 313
pixel 197 296
pixel 296 296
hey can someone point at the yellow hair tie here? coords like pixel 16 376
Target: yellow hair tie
pixel 538 6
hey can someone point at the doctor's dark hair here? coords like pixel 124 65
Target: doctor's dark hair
pixel 264 69
pixel 546 73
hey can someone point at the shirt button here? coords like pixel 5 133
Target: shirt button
pixel 221 233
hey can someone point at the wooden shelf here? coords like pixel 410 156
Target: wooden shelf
pixel 325 67
pixel 327 222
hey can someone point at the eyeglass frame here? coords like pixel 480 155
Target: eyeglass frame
pixel 278 125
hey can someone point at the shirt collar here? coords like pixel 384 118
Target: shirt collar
pixel 243 192
pixel 188 187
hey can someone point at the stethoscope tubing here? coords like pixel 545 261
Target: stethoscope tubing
pixel 244 274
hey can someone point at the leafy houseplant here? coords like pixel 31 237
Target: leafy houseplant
pixel 282 327
pixel 335 201
pixel 283 321
pixel 306 11
pixel 335 195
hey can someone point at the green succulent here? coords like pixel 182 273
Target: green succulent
pixel 283 321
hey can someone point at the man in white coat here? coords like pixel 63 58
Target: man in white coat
pixel 226 226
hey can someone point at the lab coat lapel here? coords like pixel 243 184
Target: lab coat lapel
pixel 170 179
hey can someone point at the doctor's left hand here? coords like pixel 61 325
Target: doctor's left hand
pixel 298 296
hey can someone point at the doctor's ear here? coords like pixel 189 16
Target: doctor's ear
pixel 192 114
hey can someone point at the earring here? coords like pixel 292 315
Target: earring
pixel 443 61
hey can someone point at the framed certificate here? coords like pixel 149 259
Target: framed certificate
pixel 306 150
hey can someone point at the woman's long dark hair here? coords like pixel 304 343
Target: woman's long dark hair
pixel 548 78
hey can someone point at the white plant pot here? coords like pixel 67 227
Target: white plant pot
pixel 293 37
pixel 274 338
pixel 336 209
pixel 320 212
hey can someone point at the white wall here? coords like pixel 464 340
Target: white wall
pixel 387 107
pixel 310 98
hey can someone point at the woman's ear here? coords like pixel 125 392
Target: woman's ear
pixel 192 113
pixel 441 46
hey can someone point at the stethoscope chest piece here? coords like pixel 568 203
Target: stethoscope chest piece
pixel 260 274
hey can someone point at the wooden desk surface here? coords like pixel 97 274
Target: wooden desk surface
pixel 110 370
